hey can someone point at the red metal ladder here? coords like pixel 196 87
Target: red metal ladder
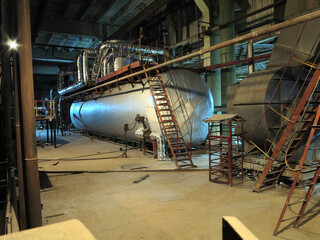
pixel 170 126
pixel 304 202
pixel 291 134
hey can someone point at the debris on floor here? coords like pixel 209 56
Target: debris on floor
pixel 141 178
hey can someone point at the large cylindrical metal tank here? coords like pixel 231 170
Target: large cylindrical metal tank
pixel 253 94
pixel 107 114
pixel 251 98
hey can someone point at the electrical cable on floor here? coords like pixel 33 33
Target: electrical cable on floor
pixel 131 171
pixel 79 158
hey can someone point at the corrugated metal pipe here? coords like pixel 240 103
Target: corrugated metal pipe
pixel 82 73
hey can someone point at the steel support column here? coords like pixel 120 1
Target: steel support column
pixel 227 54
pixel 27 98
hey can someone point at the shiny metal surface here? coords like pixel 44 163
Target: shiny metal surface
pixel 83 78
pixel 252 96
pixel 108 113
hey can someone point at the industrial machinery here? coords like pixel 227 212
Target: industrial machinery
pixel 107 112
pixel 264 98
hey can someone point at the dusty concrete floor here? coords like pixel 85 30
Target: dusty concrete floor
pixel 167 205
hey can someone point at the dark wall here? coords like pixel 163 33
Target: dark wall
pixel 42 86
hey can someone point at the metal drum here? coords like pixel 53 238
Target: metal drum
pixel 109 113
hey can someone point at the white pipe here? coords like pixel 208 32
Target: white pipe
pixel 160 144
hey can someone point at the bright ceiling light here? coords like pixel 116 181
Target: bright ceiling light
pixel 13 44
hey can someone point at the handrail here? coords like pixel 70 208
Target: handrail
pixel 184 106
pixel 49 106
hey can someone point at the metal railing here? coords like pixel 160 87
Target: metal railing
pixel 44 108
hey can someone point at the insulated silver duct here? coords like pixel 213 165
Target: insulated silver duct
pixel 83 79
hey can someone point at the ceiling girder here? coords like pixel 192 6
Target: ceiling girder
pixel 72 27
pixel 139 18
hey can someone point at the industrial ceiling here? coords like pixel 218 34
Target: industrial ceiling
pixel 60 28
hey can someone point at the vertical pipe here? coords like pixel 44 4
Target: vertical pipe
pixel 250 55
pixel 47 121
pixel 209 136
pixel 51 128
pixel 22 206
pixel 230 154
pixel 227 54
pixel 144 147
pixel 54 133
pixel 154 148
pixel 27 98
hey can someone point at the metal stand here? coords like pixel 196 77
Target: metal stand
pixel 225 148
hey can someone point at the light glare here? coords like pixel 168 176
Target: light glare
pixel 13 44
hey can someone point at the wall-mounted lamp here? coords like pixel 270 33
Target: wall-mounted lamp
pixel 13 45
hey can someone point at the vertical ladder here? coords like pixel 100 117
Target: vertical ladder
pixel 289 132
pixel 170 126
pixel 314 127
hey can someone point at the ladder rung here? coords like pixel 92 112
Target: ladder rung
pixel 296 139
pixel 296 202
pixel 306 120
pixel 169 126
pixel 176 138
pixel 271 179
pixel 173 133
pixel 187 165
pixel 182 154
pixel 165 121
pixel 220 170
pixel 163 104
pixel 302 130
pixel 309 183
pixel 277 127
pixel 183 159
pixel 178 149
pixel 286 219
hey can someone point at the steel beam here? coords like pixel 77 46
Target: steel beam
pixel 238 61
pixel 72 27
pixel 139 18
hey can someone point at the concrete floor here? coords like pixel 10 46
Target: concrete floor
pixel 167 205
